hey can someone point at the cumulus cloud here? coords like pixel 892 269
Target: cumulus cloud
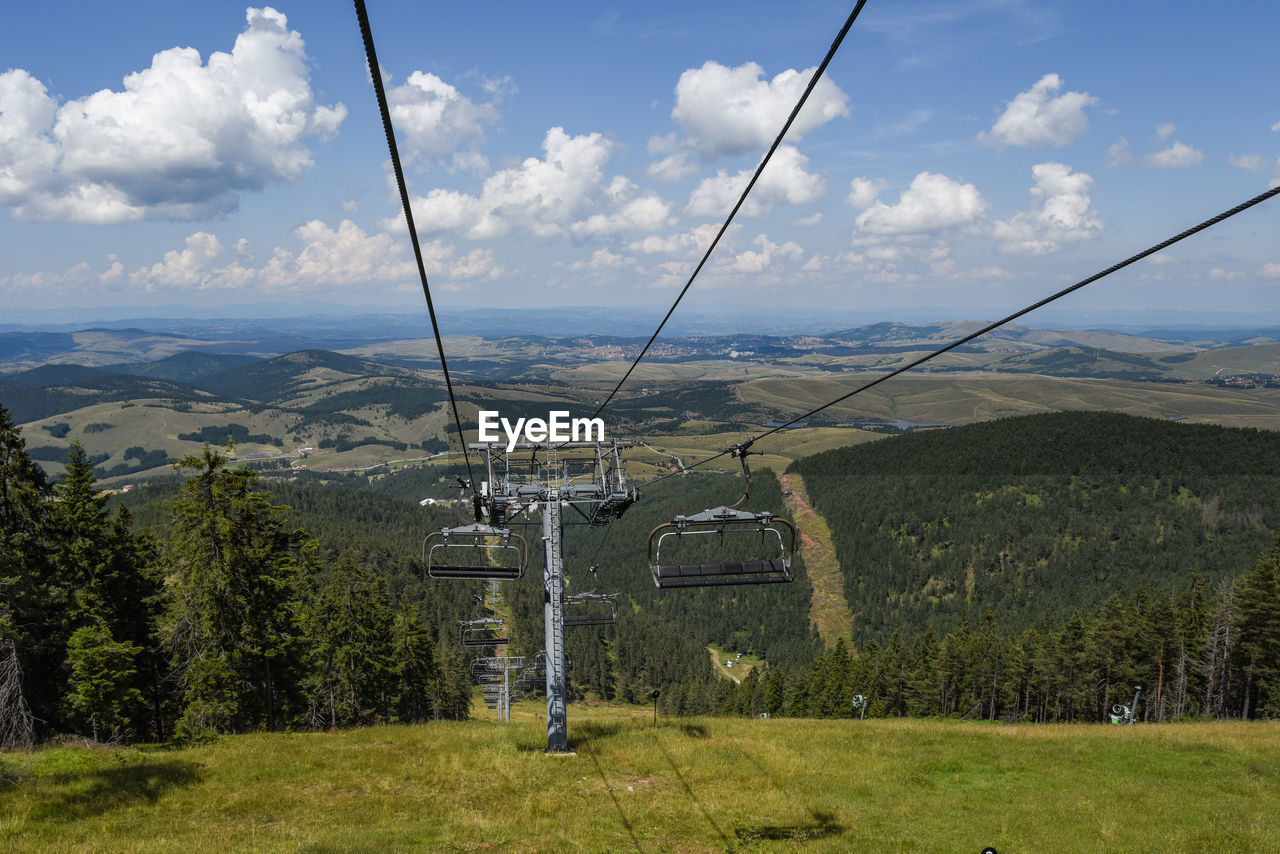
pixel 761 259
pixel 1270 270
pixel 181 140
pixel 672 168
pixel 602 260
pixel 784 181
pixel 434 119
pixel 932 202
pixel 1252 162
pixel 1176 156
pixel 541 196
pixel 1218 273
pixel 1037 117
pixel 1059 213
pixel 687 243
pixel 1165 131
pixel 863 192
pixel 809 221
pixel 730 111
pixel 1119 154
pixel 646 213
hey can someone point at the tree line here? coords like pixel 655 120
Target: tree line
pixel 223 619
pixel 1195 654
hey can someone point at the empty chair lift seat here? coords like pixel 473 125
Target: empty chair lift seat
pixel 771 565
pixel 475 552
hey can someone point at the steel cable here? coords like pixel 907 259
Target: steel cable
pixel 1262 197
pixel 375 72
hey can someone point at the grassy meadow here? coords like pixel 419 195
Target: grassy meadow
pixel 689 785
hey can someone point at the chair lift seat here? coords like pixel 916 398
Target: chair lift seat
pixel 723 520
pixel 720 574
pixel 471 542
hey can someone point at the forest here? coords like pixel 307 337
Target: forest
pixel 1032 569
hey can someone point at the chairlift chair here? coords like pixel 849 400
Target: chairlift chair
pixel 591 609
pixel 772 566
pixel 485 631
pixel 468 552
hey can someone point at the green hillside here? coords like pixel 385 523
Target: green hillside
pixel 1040 515
pixel 689 785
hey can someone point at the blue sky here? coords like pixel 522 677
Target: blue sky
pixel 961 159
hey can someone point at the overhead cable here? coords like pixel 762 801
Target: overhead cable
pixel 375 72
pixel 1262 197
pixel 813 81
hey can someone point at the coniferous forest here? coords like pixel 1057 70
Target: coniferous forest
pixel 1034 569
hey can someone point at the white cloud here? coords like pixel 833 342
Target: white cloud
pixel 1276 127
pixel 181 140
pixel 863 191
pixel 672 168
pixel 694 241
pixel 809 221
pixel 433 118
pixel 602 259
pixel 1165 131
pixel 540 196
pixel 1176 156
pixel 1160 259
pixel 932 202
pixel 1270 270
pixel 1226 275
pixel 1252 162
pixel 1059 213
pixel 1119 154
pixel 730 111
pixel 757 261
pixel 346 255
pixel 647 213
pixel 784 181
pixel 1036 117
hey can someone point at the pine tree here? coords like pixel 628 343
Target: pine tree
pixel 417 675
pixel 101 680
pixel 231 600
pixel 1257 619
pixel 107 571
pixel 349 640
pixel 30 599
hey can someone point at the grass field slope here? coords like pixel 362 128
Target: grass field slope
pixel 689 785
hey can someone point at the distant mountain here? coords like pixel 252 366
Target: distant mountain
pixel 188 365
pixel 282 377
pixel 55 389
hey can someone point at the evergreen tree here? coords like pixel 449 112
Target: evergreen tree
pixel 1257 618
pixel 30 598
pixel 417 675
pixel 101 680
pixel 231 599
pixel 350 648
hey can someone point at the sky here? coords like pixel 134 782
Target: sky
pixel 956 159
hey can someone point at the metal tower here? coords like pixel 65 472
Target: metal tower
pixel 587 477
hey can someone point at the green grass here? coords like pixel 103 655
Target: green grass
pixel 687 785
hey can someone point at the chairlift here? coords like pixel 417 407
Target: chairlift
pixel 469 552
pixel 771 565
pixel 485 631
pixel 591 609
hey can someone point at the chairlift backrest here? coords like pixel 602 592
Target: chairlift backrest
pixel 470 552
pixel 591 609
pixel 483 632
pixel 772 565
